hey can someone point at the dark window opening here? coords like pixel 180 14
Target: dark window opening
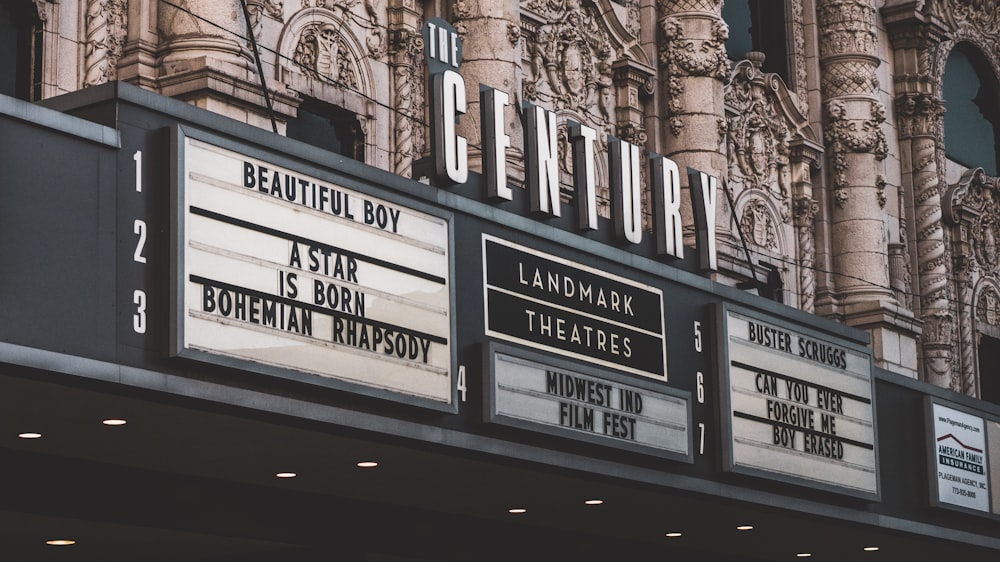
pixel 20 50
pixel 757 25
pixel 989 369
pixel 972 119
pixel 328 126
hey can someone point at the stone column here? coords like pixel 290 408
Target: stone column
pixel 857 146
pixel 407 72
pixel 491 45
pixel 694 67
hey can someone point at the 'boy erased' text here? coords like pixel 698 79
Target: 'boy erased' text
pixel 451 160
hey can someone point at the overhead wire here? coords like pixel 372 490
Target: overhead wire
pixel 416 120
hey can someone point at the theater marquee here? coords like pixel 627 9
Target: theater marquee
pixel 281 272
pixel 796 405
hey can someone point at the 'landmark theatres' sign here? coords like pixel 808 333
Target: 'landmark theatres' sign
pixel 796 405
pixel 546 302
pixel 284 273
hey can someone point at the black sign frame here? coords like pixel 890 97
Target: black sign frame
pixel 930 441
pixel 725 402
pixel 353 178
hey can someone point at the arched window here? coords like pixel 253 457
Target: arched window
pixel 758 25
pixel 328 126
pixel 972 116
pixel 20 50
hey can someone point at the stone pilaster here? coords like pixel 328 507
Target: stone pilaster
pixel 491 45
pixel 407 73
pixel 919 111
pixel 919 118
pixel 693 67
pixel 804 210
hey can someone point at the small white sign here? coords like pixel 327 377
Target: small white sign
pixel 960 459
pixel 291 272
pixel 799 406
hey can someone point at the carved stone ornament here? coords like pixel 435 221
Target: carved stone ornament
pixel 918 114
pixel 692 56
pixel 974 204
pixel 757 136
pixel 569 60
pixel 106 22
pixel 843 136
pixel 980 16
pixel 686 56
pixel 847 27
pixel 799 46
pixel 322 53
pixel 758 226
pixel 805 209
pixel 988 306
pixel 763 124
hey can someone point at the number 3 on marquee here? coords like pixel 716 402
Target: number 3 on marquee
pixel 139 318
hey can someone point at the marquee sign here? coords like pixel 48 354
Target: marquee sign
pixel 281 272
pixel 550 303
pixel 541 393
pixel 962 475
pixel 796 405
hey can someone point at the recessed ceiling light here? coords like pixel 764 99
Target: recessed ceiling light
pixel 286 475
pixel 674 535
pixel 871 548
pixel 60 542
pixel 517 510
pixel 594 502
pixel 803 555
pixel 29 435
pixel 744 527
pixel 114 421
pixel 367 464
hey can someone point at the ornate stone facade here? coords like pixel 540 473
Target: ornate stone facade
pixel 838 172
